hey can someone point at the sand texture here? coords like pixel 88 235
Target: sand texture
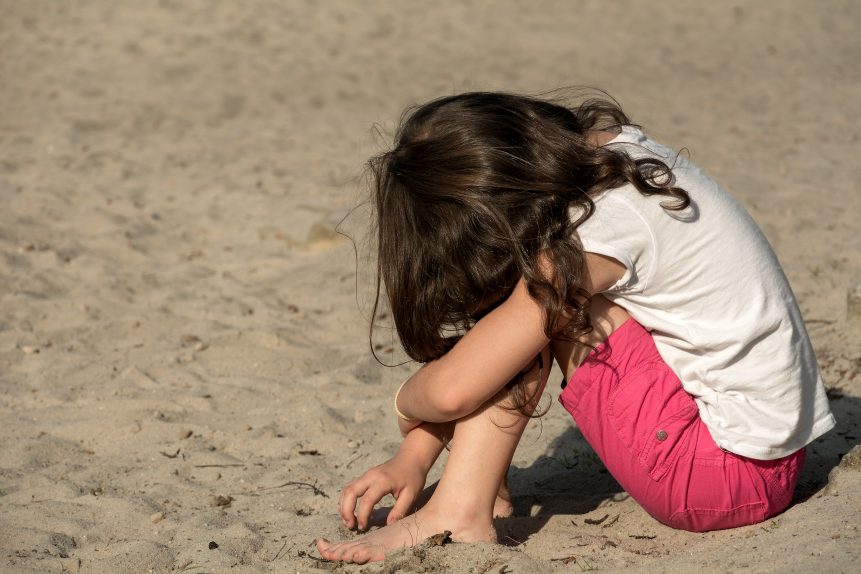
pixel 185 376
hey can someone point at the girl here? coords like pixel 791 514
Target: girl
pixel 514 231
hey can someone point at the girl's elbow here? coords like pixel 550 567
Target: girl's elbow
pixel 455 404
pixel 450 407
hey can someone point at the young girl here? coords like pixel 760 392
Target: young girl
pixel 514 231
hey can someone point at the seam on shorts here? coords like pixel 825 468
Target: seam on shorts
pixel 760 507
pixel 760 503
pixel 725 459
pixel 770 476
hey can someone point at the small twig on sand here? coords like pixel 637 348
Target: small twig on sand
pixel 317 490
pixel 186 567
pixel 612 521
pixel 595 521
pixel 354 459
pixel 277 554
pixel 321 562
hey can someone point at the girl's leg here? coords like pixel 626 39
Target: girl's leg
pixel 463 502
pixel 472 482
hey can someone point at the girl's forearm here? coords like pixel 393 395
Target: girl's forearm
pixel 491 353
pixel 424 397
pixel 424 444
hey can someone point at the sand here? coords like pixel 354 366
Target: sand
pixel 185 377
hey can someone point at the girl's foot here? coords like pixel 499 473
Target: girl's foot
pixel 502 506
pixel 464 502
pixel 408 532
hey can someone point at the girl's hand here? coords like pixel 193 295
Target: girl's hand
pixel 401 476
pixel 406 426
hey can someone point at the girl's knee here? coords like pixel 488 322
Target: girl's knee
pixel 605 317
pixel 523 397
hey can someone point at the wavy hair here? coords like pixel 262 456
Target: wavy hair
pixel 476 186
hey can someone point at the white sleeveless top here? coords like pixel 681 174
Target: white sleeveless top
pixel 707 285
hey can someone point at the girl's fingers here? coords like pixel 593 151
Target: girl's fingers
pixel 371 497
pixel 402 506
pixel 349 496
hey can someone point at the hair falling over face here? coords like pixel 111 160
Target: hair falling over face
pixel 475 188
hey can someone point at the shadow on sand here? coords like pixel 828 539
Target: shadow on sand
pixel 571 479
pixel 825 452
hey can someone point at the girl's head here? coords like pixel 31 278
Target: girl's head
pixel 476 187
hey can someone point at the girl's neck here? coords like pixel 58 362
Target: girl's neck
pixel 600 138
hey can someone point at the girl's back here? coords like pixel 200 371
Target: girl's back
pixel 707 284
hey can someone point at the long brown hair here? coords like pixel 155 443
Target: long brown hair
pixel 475 187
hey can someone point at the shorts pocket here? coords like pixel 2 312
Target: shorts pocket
pixel 653 415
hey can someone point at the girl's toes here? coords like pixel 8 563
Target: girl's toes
pixel 373 554
pixel 343 552
pixel 323 546
pixel 329 551
pixel 358 555
pixel 346 553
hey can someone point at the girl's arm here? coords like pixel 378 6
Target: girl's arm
pixel 491 353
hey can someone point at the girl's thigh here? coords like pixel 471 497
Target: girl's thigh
pixel 632 409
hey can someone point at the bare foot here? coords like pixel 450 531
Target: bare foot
pixel 408 532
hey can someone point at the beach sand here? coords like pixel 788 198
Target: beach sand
pixel 185 375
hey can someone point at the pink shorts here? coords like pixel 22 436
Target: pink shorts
pixel 647 430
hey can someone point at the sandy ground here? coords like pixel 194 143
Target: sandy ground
pixel 183 348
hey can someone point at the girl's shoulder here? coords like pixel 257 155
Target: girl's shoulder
pixel 636 143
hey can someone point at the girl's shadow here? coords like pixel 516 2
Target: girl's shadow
pixel 826 451
pixel 569 479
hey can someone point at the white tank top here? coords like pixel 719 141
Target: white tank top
pixel 707 285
